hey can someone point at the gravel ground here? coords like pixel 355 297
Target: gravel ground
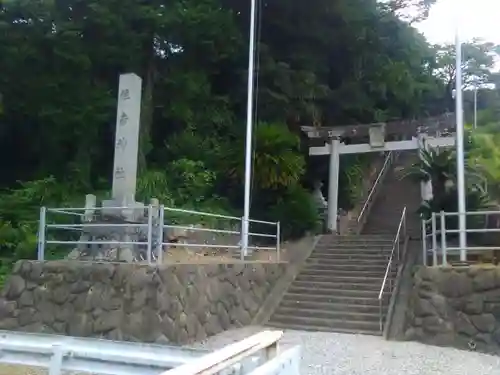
pixel 341 354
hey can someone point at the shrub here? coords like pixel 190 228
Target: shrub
pixel 296 211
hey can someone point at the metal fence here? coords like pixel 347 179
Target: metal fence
pixel 256 355
pixel 439 238
pixel 147 233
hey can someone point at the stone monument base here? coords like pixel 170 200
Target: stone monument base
pixel 121 227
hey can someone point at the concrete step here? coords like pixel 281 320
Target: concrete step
pixel 349 267
pixel 312 285
pixel 369 309
pixel 343 272
pixel 350 255
pixel 298 289
pixel 311 296
pixel 372 239
pixel 355 246
pixel 368 238
pixel 313 328
pixel 329 314
pixel 352 279
pixel 381 261
pixel 323 323
pixel 352 250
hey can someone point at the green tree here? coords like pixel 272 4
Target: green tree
pixel 318 63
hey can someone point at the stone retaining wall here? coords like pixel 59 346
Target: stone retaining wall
pixel 171 303
pixel 457 307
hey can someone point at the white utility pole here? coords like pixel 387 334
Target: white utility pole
pixel 248 144
pixel 459 112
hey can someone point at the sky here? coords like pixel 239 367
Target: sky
pixel 478 19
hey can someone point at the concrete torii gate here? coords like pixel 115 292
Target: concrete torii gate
pixel 403 135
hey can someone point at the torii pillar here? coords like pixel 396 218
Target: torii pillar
pixel 333 185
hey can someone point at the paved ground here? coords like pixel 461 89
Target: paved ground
pixel 340 354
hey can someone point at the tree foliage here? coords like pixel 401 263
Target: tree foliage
pixel 319 62
pixel 478 60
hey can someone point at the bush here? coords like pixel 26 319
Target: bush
pixel 296 211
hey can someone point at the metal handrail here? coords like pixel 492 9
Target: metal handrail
pixel 395 245
pixel 442 247
pixel 155 226
pixel 387 162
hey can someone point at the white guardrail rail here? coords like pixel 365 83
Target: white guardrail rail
pixel 256 355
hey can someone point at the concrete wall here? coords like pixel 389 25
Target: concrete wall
pixel 133 302
pixel 457 307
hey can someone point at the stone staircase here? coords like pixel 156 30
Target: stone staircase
pixel 338 287
pixel 396 193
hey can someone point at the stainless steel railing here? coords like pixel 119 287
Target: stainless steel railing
pixel 150 231
pixel 380 177
pixel 394 260
pixel 436 236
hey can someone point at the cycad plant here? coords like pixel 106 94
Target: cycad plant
pixel 439 167
pixel 277 159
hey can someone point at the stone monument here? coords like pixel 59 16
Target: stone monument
pixel 123 230
pixel 321 204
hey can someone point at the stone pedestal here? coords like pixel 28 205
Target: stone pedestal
pixel 123 230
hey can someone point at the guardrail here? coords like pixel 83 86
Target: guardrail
pixel 394 260
pixel 371 195
pixel 95 356
pixel 149 232
pixel 439 235
pixel 256 355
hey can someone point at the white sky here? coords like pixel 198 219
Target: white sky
pixel 479 19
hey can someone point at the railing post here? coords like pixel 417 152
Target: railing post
pixel 405 229
pixel 424 242
pixel 434 239
pixel 397 247
pixel 41 233
pixel 443 238
pixel 381 324
pixel 150 233
pixel 278 241
pixel 161 223
pixel 55 366
pixel 242 247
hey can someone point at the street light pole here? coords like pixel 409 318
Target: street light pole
pixel 459 112
pixel 248 142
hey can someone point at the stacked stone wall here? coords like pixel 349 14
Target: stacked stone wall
pixel 133 302
pixel 457 307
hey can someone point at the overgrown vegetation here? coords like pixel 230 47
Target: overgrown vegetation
pixel 320 62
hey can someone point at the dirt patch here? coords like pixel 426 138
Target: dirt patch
pixel 289 251
pixel 22 370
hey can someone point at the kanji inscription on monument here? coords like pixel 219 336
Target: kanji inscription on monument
pixel 127 137
pixel 123 119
